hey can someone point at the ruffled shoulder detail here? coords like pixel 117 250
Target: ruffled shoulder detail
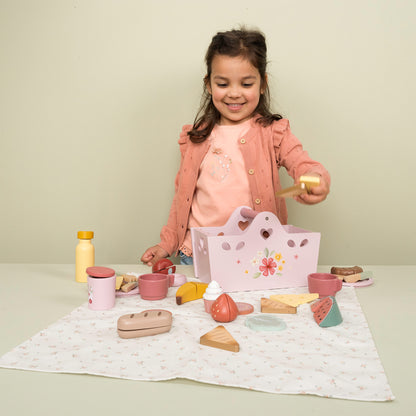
pixel 280 126
pixel 279 130
pixel 184 137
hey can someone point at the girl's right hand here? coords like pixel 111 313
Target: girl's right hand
pixel 154 254
pixel 317 193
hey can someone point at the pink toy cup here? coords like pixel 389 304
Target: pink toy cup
pixel 101 288
pixel 154 286
pixel 326 284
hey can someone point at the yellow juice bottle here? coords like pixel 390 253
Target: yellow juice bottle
pixel 84 255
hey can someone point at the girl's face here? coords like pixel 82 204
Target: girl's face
pixel 235 87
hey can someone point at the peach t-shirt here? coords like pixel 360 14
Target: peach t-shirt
pixel 222 182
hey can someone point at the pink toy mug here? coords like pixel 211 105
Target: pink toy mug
pixel 154 286
pixel 326 284
pixel 101 288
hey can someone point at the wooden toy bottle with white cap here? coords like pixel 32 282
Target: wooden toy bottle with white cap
pixel 84 255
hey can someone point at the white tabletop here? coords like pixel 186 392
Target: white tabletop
pixel 35 296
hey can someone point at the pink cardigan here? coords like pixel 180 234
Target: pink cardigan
pixel 264 149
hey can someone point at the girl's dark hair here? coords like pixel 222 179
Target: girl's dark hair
pixel 251 45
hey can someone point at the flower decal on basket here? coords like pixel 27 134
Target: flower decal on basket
pixel 268 263
pixel 269 266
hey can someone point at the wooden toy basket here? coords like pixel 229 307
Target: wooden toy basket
pixel 254 251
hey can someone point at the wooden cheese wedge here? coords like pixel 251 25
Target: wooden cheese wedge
pixel 220 338
pixel 295 299
pixel 274 306
pixel 119 282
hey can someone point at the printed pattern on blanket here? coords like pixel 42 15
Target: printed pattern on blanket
pixel 339 362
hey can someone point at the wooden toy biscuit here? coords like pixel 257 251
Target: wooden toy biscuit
pixel 127 278
pixel 126 283
pixel 128 286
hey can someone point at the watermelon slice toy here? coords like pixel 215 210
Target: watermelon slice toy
pixel 326 312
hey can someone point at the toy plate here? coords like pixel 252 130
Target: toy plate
pixel 360 283
pixel 121 294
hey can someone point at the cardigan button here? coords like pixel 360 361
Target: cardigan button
pixel 251 171
pixel 242 141
pixel 257 201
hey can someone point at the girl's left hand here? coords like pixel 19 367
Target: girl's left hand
pixel 316 194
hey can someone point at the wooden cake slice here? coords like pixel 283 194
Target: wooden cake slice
pixel 220 338
pixel 274 306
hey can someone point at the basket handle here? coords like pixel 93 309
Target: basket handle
pixel 248 212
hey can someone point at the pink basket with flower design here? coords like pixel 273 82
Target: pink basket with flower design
pixel 254 251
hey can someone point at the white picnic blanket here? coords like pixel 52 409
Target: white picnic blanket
pixel 339 362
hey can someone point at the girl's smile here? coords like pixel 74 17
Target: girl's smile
pixel 235 87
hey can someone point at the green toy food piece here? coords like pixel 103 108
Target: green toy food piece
pixel 265 323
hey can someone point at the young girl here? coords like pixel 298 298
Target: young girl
pixel 231 155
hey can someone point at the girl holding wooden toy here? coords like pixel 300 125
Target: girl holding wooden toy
pixel 231 155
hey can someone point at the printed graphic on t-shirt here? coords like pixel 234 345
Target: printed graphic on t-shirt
pixel 220 165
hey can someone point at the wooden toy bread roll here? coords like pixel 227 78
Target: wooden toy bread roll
pixel 149 322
